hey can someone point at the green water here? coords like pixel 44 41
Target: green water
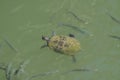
pixel 23 22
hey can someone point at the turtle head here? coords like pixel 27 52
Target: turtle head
pixel 45 38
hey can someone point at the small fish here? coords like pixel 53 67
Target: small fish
pixel 85 69
pixel 83 31
pixel 10 44
pixel 116 37
pixel 76 70
pixel 21 67
pixel 43 74
pixel 8 72
pixel 73 27
pixel 80 70
pixel 113 18
pixel 76 17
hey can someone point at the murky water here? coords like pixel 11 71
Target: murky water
pixel 23 22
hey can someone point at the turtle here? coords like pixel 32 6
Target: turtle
pixel 67 45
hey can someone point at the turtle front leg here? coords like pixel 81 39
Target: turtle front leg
pixel 43 46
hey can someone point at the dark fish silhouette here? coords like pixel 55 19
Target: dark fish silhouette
pixel 76 17
pixel 115 37
pixel 80 70
pixel 77 70
pixel 10 44
pixel 113 18
pixel 73 27
pixel 76 28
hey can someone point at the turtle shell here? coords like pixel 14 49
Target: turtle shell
pixel 64 44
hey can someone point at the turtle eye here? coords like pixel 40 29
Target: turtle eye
pixel 71 35
pixel 43 38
